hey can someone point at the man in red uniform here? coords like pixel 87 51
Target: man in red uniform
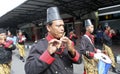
pixel 73 36
pixel 21 45
pixel 6 47
pixel 107 40
pixel 56 53
pixel 88 49
pixel 108 34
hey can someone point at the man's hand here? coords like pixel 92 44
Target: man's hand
pixel 53 45
pixel 69 44
pixel 2 39
pixel 112 31
pixel 98 51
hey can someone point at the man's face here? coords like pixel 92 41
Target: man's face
pixel 20 33
pixel 108 28
pixel 2 37
pixel 57 28
pixel 9 33
pixel 90 28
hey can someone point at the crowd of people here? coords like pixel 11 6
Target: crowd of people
pixel 8 42
pixel 56 53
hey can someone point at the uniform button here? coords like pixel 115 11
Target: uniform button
pixel 71 65
pixel 56 72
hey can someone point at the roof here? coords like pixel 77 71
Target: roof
pixel 109 10
pixel 33 10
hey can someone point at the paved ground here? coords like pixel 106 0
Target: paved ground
pixel 18 65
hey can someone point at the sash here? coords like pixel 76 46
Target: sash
pixel 90 41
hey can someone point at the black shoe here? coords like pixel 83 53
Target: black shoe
pixel 114 70
pixel 23 60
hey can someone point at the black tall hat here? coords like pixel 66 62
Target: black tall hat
pixel 53 14
pixel 8 30
pixel 88 22
pixel 19 31
pixel 106 25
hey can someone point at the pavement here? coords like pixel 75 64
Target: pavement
pixel 18 65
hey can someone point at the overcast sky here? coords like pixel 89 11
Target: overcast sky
pixel 8 5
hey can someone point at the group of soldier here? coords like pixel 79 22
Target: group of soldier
pixel 55 54
pixel 8 42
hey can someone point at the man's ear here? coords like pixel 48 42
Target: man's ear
pixel 48 27
pixel 86 28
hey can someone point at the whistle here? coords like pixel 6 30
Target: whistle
pixel 62 36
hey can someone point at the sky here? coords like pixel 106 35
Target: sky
pixel 8 5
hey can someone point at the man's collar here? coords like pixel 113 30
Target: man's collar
pixel 88 34
pixel 49 37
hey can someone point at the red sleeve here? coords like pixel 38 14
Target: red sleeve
pixel 77 56
pixel 109 34
pixel 71 36
pixel 76 36
pixel 46 57
pixel 91 54
pixel 8 43
pixel 20 40
pixel 113 34
pixel 73 44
